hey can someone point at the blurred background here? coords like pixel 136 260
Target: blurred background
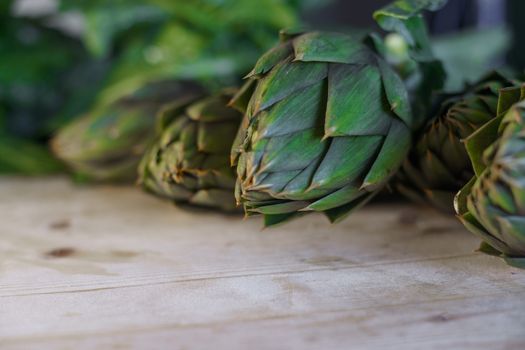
pixel 59 59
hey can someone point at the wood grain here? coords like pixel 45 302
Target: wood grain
pixel 109 267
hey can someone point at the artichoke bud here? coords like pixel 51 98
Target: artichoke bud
pixel 397 53
pixel 492 206
pixel 439 165
pixel 326 124
pixel 189 161
pixel 106 144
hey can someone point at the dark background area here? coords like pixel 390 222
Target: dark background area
pixel 515 11
pixel 456 16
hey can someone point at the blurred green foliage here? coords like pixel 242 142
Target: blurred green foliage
pixel 469 55
pixel 48 76
pixel 20 156
pixel 214 41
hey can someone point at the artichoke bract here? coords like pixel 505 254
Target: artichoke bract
pixel 189 162
pixel 438 165
pixel 107 143
pixel 492 205
pixel 327 122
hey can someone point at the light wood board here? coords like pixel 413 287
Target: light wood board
pixel 112 268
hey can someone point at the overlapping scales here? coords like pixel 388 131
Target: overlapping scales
pixel 189 163
pixel 326 124
pixel 492 205
pixel 438 165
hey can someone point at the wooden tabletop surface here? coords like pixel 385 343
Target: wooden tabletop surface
pixel 112 268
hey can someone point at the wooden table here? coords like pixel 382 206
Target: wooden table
pixel 109 267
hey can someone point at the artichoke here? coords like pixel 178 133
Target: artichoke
pixel 107 143
pixel 492 204
pixel 438 165
pixel 189 162
pixel 327 123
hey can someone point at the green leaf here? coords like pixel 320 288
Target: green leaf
pixel 461 199
pixel 404 17
pixel 299 112
pixel 270 59
pixel 274 220
pixel 508 97
pixel 346 161
pixel 355 102
pixel 396 94
pixel 479 141
pixel 330 47
pixel 290 152
pixel 343 196
pixel 272 88
pixel 395 148
pixel 281 208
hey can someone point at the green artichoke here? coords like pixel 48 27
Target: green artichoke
pixel 327 123
pixel 492 205
pixel 438 165
pixel 189 162
pixel 327 120
pixel 107 143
